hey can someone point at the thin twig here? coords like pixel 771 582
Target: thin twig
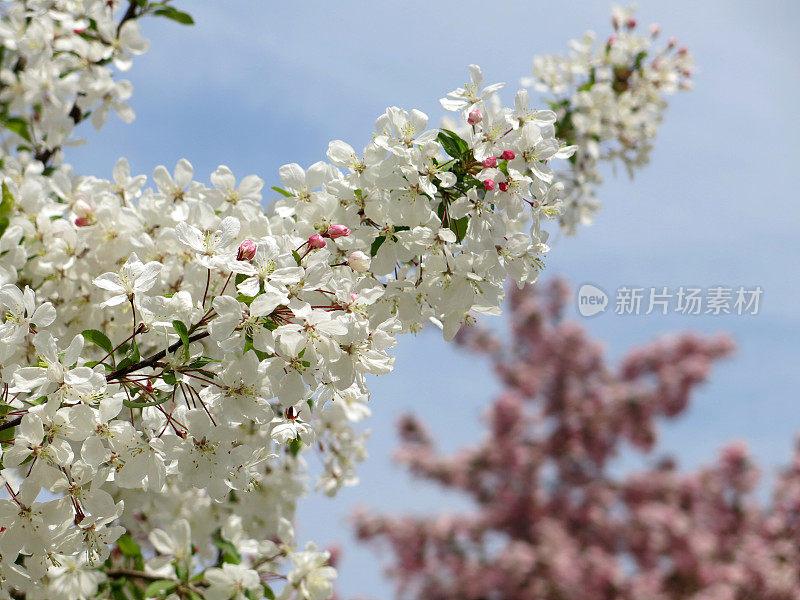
pixel 149 362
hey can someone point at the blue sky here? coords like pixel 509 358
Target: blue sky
pixel 255 85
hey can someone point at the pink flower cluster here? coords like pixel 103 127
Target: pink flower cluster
pixel 554 520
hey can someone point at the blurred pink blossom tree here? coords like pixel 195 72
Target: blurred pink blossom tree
pixel 553 518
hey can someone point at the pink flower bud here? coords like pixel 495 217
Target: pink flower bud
pixel 488 184
pixel 247 250
pixel 490 162
pixel 673 41
pixel 655 28
pixel 474 117
pixel 612 40
pixel 631 23
pixel 508 155
pixel 359 261
pixel 83 221
pixel 336 231
pixel 504 187
pixel 316 241
pixel 683 50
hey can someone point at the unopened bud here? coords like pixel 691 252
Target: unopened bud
pixel 655 29
pixel 490 162
pixel 316 241
pixel 83 222
pixel 504 187
pixel 488 184
pixel 683 50
pixel 672 42
pixel 508 155
pixel 474 117
pixel 82 208
pixel 336 231
pixel 247 250
pixel 612 40
pixel 631 23
pixel 359 261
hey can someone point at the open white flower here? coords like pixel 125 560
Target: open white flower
pixel 22 315
pixel 134 277
pixel 232 582
pixel 214 247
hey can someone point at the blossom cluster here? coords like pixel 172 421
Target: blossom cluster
pixel 554 517
pixel 610 98
pixel 170 353
pixel 55 71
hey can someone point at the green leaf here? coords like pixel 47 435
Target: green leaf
pixel 6 206
pixel 160 398
pixel 8 434
pixel 19 126
pixel 228 552
pixel 296 257
pixel 97 337
pixel 247 300
pixel 452 143
pixel 295 445
pixel 162 586
pixel 201 362
pixel 169 378
pixel 248 345
pixel 268 593
pixel 128 546
pixel 377 244
pixel 132 356
pixel 183 332
pixel 138 592
pixel 175 14
pixel 118 589
pixel 282 192
pixel 93 363
pixel 133 352
pixel 459 227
